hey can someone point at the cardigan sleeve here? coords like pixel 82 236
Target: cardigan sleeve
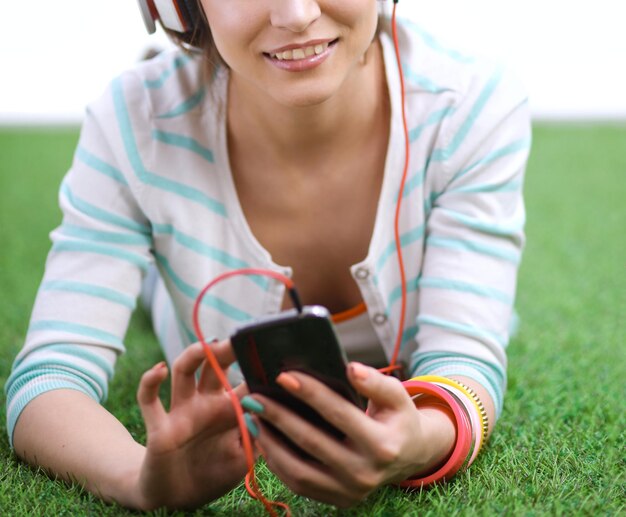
pixel 92 276
pixel 475 235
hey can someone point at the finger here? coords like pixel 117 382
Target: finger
pixel 383 391
pixel 303 477
pixel 150 404
pixel 209 380
pixel 317 442
pixel 184 372
pixel 334 408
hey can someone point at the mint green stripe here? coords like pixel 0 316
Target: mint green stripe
pixel 466 126
pixel 178 62
pixel 457 285
pixel 210 300
pixel 147 177
pixel 488 368
pixel 425 83
pixel 415 181
pixel 184 142
pixel 486 227
pixel 101 249
pixel 87 355
pixel 90 289
pixel 473 246
pixel 468 330
pixel 186 106
pixel 514 185
pixel 19 379
pixel 432 42
pixel 206 250
pixel 396 292
pixel 436 117
pixel 75 328
pixel 101 214
pixel 490 375
pixel 191 336
pixel 99 165
pixel 406 239
pixel 522 144
pixel 134 239
pixel 483 376
pixel 409 335
pixel 32 369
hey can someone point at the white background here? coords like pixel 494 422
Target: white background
pixel 57 55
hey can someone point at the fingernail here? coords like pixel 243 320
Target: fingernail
pixel 360 371
pixel 252 405
pixel 288 381
pixel 251 425
pixel 160 365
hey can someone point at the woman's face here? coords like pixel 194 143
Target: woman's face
pixel 297 52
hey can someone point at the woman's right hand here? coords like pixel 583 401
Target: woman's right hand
pixel 193 452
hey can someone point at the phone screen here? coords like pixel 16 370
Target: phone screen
pixel 294 341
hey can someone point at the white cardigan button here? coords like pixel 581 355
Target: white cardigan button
pixel 379 318
pixel 361 273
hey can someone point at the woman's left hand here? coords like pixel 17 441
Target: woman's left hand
pixel 390 443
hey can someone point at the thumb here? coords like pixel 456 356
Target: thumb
pixel 383 391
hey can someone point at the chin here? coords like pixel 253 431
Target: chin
pixel 306 96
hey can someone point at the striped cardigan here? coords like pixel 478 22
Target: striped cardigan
pixel 151 183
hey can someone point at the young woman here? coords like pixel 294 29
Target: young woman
pixel 281 146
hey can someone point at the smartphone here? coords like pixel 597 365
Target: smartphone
pixel 303 341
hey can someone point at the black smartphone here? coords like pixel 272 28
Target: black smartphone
pixel 305 341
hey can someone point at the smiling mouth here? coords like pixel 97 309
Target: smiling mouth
pixel 297 54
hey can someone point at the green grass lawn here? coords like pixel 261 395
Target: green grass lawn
pixel 559 448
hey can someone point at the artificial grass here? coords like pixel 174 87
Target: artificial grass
pixel 558 448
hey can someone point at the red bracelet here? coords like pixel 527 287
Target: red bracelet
pixel 463 434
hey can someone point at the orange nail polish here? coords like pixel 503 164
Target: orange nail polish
pixel 288 381
pixel 360 371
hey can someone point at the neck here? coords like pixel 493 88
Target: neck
pixel 295 135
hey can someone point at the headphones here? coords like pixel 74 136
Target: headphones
pixel 177 15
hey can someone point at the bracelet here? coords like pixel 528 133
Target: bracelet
pixel 470 394
pixel 463 434
pixel 461 398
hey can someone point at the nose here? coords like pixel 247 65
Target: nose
pixel 294 15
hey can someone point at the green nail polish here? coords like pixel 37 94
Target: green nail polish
pixel 252 427
pixel 252 405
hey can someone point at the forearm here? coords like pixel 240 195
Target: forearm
pixel 76 439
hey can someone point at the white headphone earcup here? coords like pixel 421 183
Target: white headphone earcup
pixel 147 16
pixel 169 16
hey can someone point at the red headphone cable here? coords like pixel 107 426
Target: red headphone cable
pixel 251 484
pixel 398 344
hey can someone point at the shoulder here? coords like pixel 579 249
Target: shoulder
pixel 434 67
pixel 442 80
pixel 460 106
pixel 171 85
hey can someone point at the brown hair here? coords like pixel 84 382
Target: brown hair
pixel 199 39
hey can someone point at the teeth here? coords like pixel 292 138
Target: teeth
pixel 300 53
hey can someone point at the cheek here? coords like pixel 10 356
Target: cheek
pixel 362 13
pixel 360 17
pixel 233 29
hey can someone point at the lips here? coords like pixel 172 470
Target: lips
pixel 300 58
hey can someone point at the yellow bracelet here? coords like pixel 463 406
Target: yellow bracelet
pixel 467 391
